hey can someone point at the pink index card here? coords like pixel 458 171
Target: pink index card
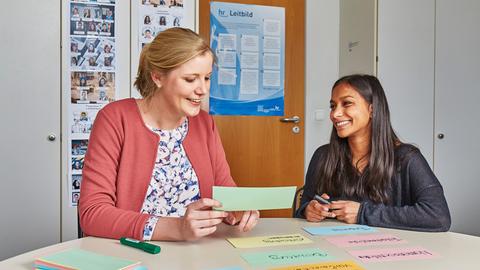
pixel 393 254
pixel 365 240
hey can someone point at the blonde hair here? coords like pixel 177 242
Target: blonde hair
pixel 169 50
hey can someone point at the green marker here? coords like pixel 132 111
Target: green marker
pixel 150 248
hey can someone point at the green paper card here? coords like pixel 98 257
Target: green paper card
pixel 82 259
pixel 286 257
pixel 254 198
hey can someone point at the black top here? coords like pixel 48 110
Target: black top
pixel 416 196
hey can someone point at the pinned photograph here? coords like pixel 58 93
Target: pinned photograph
pixel 93 87
pixel 82 124
pixel 176 3
pixel 79 147
pixel 162 21
pixel 77 27
pixel 75 197
pixel 148 34
pixel 76 181
pixel 77 163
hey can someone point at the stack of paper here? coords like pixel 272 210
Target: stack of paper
pixel 78 259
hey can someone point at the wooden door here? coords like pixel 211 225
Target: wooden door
pixel 261 150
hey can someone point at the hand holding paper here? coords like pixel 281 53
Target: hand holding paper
pixel 246 220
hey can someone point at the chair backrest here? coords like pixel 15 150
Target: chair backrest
pixel 296 200
pixel 79 228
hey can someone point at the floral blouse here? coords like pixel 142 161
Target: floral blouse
pixel 174 184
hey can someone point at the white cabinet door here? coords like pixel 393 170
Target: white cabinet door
pixel 406 42
pixel 429 64
pixel 457 92
pixel 30 109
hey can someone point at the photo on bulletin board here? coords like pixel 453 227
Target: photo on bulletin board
pixel 92 19
pixel 76 181
pixel 75 197
pixel 91 58
pixel 77 164
pixel 92 87
pixel 155 16
pixel 92 54
pixel 79 147
pixel 82 118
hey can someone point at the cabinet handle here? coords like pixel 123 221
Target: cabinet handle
pixel 52 137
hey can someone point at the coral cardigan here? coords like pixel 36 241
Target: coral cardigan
pixel 119 164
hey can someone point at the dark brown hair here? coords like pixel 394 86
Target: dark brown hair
pixel 336 174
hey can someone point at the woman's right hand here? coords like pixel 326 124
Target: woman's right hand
pixel 316 212
pixel 200 220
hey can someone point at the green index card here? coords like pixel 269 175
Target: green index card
pixel 82 259
pixel 254 198
pixel 277 257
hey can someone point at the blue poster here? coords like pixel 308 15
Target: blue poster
pixel 249 43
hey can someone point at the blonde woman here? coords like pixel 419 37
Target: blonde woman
pixel 151 162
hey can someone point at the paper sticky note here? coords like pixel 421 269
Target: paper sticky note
pixel 250 198
pixel 230 268
pixel 345 265
pixel 392 254
pixel 269 241
pixel 339 230
pixel 286 257
pixel 365 240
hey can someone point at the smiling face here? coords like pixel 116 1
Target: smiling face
pixel 182 89
pixel 350 113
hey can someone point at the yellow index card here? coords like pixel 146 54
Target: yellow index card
pixel 269 241
pixel 345 265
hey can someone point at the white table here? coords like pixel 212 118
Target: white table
pixel 457 251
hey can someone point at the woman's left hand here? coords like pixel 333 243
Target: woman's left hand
pixel 346 211
pixel 246 219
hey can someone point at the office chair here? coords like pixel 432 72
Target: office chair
pixel 79 228
pixel 296 200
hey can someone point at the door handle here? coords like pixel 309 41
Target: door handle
pixel 295 119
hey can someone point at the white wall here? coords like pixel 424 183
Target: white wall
pixel 322 47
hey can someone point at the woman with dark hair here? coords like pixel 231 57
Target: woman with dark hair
pixel 176 22
pixel 86 13
pixel 74 61
pixel 91 27
pixel 102 82
pixel 147 20
pixel 367 173
pixel 162 21
pixel 107 49
pixel 75 13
